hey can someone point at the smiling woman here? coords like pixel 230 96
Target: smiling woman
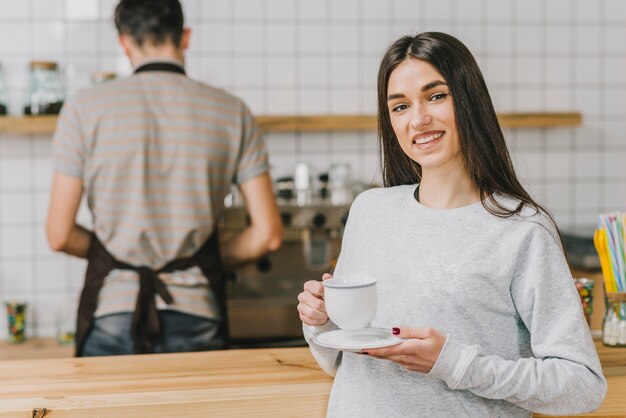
pixel 469 269
pixel 422 115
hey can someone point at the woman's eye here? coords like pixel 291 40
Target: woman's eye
pixel 437 97
pixel 399 108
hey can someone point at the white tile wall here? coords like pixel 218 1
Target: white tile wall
pixel 315 57
pixel 15 9
pixel 82 9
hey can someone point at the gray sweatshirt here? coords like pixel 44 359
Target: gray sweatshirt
pixel 499 288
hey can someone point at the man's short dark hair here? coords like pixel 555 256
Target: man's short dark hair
pixel 152 21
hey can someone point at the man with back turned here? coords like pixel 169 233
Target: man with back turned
pixel 155 154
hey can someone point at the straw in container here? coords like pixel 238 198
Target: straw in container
pixel 610 242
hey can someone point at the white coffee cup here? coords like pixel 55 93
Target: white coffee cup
pixel 350 302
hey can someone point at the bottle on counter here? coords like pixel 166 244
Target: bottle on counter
pixel 4 97
pixel 45 92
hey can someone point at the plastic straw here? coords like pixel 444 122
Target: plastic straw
pixel 612 249
pixel 616 253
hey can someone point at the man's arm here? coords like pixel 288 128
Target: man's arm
pixel 265 233
pixel 64 234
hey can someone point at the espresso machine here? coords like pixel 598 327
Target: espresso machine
pixel 262 296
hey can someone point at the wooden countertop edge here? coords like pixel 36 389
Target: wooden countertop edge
pixel 223 402
pixel 312 123
pixel 262 382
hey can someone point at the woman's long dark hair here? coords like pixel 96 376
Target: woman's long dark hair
pixel 484 150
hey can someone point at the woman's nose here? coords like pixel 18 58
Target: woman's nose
pixel 420 118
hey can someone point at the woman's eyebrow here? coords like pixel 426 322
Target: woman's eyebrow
pixel 395 96
pixel 434 84
pixel 426 87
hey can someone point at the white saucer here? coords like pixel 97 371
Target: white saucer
pixel 355 340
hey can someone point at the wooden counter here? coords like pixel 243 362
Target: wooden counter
pixel 37 348
pixel 232 383
pixel 257 383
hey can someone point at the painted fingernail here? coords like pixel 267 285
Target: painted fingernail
pixel 395 331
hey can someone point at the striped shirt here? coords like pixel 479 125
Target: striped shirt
pixel 157 153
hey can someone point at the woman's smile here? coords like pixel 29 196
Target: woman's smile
pixel 428 139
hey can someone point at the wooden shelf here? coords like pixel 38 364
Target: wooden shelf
pixel 537 120
pixel 311 123
pixel 320 123
pixel 28 124
pixel 317 123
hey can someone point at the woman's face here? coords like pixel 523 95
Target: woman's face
pixel 422 116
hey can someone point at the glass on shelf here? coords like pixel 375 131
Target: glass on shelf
pixel 4 99
pixel 45 93
pixel 100 77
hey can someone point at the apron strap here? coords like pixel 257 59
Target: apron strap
pixel 145 321
pixel 145 324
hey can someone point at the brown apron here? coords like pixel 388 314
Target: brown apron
pixel 145 323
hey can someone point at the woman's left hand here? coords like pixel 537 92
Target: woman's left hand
pixel 419 352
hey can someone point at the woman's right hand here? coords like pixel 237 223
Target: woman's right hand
pixel 311 305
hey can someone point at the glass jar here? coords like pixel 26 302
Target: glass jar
pixel 4 97
pixel 16 320
pixel 614 325
pixel 45 92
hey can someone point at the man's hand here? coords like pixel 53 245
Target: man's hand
pixel 265 232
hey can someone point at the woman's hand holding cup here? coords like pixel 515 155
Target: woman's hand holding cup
pixel 311 306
